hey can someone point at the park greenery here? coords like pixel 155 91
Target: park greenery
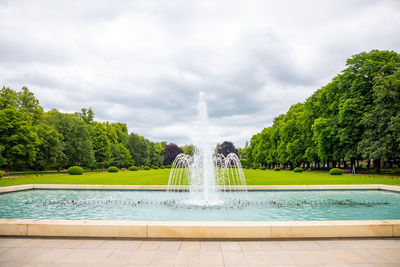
pixel 160 177
pixel 355 117
pixel 32 139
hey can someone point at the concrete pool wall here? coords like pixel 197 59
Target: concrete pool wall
pixel 201 230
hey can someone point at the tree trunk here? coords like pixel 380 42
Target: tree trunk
pixel 344 164
pixel 369 164
pixel 377 165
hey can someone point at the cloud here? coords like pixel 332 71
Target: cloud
pixel 144 62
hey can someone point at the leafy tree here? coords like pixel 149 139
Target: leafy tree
pixel 189 149
pixel 121 157
pixel 381 137
pixel 122 132
pixel 101 145
pixel 226 148
pixel 50 149
pixel 170 153
pixel 29 104
pixel 137 146
pixel 18 138
pixel 76 138
pixel 87 115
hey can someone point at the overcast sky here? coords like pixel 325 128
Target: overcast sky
pixel 144 62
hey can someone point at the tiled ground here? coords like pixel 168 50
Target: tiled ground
pixel 96 252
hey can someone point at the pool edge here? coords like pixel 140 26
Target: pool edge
pixel 200 230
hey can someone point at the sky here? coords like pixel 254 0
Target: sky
pixel 144 62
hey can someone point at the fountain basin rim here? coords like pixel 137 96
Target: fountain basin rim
pixel 200 230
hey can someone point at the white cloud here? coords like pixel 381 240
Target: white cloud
pixel 143 62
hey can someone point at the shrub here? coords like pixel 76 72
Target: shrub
pixel 133 168
pixel 298 169
pixel 75 170
pixel 168 166
pixel 112 169
pixel 146 168
pixel 335 171
pixel 263 168
pixel 247 167
pixel 254 167
pixel 154 167
pixel 162 167
pixel 277 169
pixel 1 174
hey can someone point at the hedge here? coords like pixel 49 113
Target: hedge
pixel 335 171
pixel 112 169
pixel 146 168
pixel 133 168
pixel 298 169
pixel 75 170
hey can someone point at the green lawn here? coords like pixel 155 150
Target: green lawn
pixel 160 177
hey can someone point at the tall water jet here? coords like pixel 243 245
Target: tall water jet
pixel 204 174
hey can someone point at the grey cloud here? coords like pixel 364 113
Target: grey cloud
pixel 144 62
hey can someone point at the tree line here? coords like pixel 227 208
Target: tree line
pixel 31 138
pixel 354 117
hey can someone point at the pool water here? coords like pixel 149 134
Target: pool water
pixel 299 205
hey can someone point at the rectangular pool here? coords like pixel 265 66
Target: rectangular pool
pixel 291 205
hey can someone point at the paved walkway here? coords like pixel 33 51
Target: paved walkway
pixel 98 252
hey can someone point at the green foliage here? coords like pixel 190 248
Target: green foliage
pixel 277 169
pixel 188 149
pixel 75 170
pixel 263 168
pixel 120 155
pixel 243 162
pixel 298 169
pixel 335 171
pixel 146 168
pixel 50 149
pixel 154 167
pixel 133 168
pixel 162 167
pixel 1 174
pixel 112 169
pixel 168 166
pixel 254 167
pixel 355 116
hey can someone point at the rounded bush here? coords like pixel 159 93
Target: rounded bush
pixel 112 169
pixel 75 170
pixel 254 167
pixel 168 166
pixel 263 168
pixel 298 169
pixel 154 167
pixel 162 167
pixel 247 167
pixel 146 168
pixel 335 171
pixel 277 169
pixel 133 168
pixel 1 174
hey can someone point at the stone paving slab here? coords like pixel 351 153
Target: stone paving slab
pixel 122 252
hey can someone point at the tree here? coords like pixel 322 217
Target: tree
pixel 18 138
pixel 101 145
pixel 170 152
pixel 189 149
pixel 87 115
pixel 137 146
pixel 76 138
pixel 381 137
pixel 50 149
pixel 121 157
pixel 29 104
pixel 227 148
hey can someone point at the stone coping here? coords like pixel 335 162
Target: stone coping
pixel 163 187
pixel 200 230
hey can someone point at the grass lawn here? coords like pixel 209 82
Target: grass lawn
pixel 160 177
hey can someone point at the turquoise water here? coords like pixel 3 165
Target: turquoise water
pixel 159 206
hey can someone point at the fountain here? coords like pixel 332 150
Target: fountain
pixel 209 179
